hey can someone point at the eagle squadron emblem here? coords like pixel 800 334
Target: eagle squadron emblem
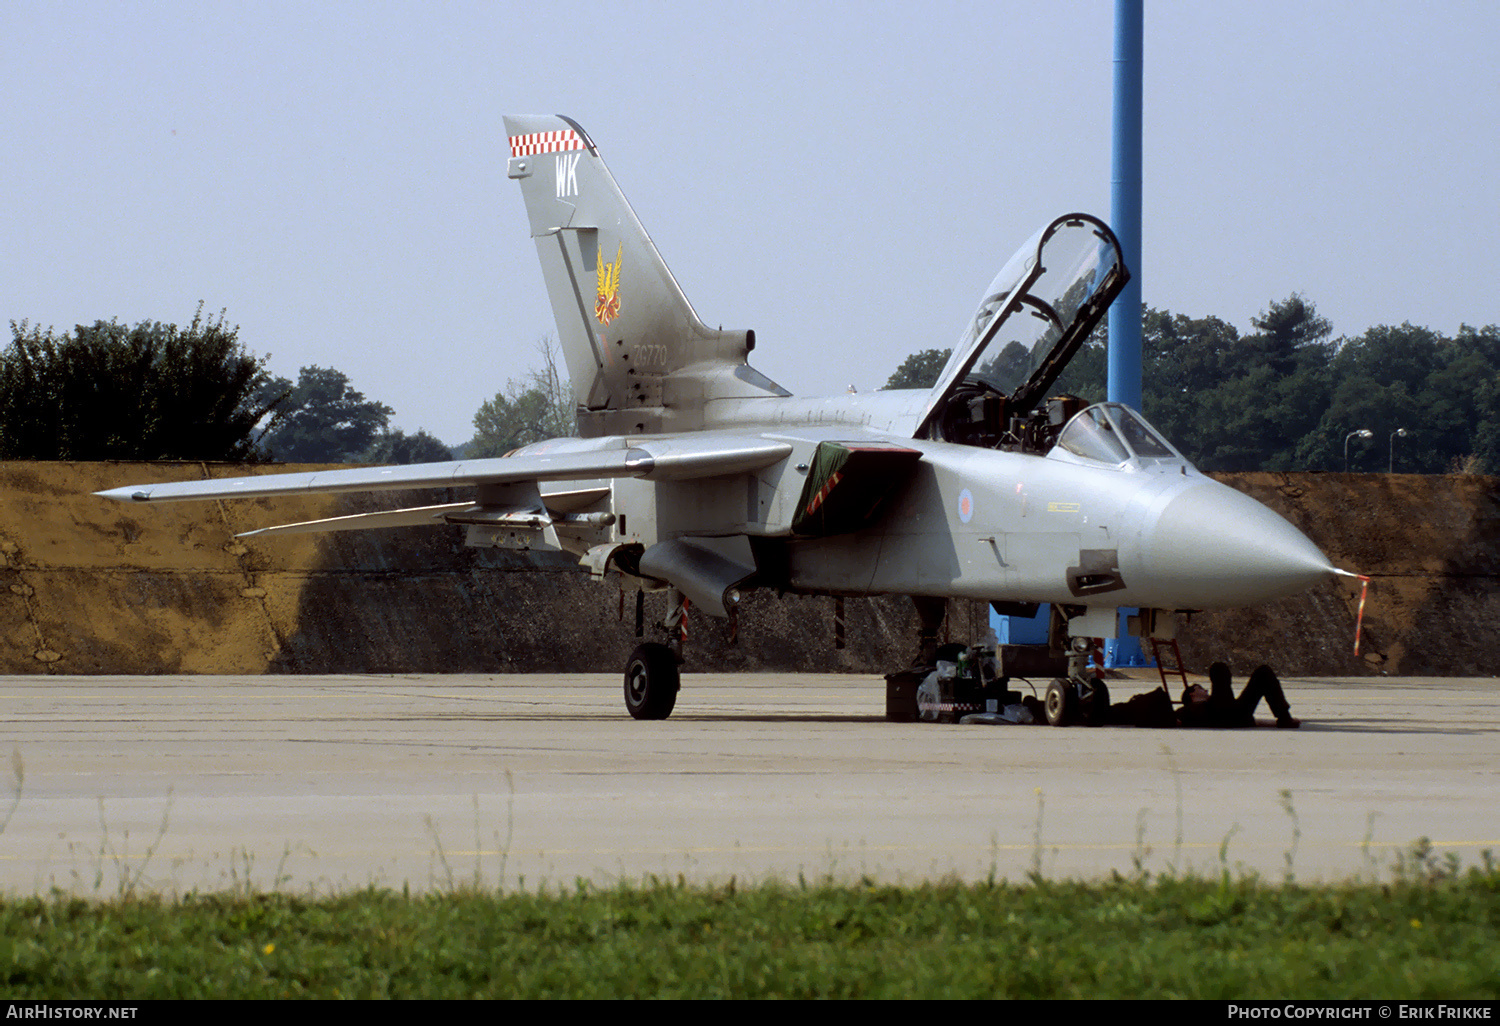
pixel 607 305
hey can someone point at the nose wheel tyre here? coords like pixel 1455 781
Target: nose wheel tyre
pixel 1061 702
pixel 1070 701
pixel 651 682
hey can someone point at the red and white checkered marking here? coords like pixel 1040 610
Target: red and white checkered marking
pixel 545 142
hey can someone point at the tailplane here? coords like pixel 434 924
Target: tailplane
pixel 638 357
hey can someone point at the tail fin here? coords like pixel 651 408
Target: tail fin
pixel 625 327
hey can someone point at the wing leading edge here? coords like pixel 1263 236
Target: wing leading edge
pixel 673 459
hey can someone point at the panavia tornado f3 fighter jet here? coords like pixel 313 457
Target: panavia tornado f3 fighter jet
pixel 698 475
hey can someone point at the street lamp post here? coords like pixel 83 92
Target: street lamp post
pixel 1398 433
pixel 1362 433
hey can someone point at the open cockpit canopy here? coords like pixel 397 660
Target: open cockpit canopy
pixel 1035 314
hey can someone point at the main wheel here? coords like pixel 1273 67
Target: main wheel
pixel 651 682
pixel 1060 702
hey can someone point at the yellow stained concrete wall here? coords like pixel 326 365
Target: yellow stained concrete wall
pixel 95 586
pixel 89 585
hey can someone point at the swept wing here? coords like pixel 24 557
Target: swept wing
pixel 674 459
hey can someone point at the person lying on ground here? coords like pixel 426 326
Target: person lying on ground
pixel 1220 708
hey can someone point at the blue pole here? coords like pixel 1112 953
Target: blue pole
pixel 1125 219
pixel 1125 204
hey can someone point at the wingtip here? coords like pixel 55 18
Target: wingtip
pixel 129 493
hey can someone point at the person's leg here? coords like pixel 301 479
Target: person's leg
pixel 1264 683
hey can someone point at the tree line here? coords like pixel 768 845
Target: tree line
pixel 1287 395
pixel 1284 396
pixel 156 391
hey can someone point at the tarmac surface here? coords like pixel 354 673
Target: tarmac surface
pixel 325 784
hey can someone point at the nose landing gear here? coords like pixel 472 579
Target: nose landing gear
pixel 1082 697
pixel 1078 700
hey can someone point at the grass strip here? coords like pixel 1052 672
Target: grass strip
pixel 1157 938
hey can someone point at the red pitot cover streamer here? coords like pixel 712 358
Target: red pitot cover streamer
pixel 1359 620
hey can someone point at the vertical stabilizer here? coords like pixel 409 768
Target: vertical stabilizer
pixel 627 331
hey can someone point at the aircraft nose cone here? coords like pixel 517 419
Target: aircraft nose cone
pixel 1213 547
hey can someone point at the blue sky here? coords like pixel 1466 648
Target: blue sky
pixel 842 177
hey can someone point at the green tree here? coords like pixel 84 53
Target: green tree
pixel 530 409
pixel 1240 402
pixel 1378 383
pixel 1182 359
pixel 151 392
pixel 919 370
pixel 399 447
pixel 321 419
pixel 1487 430
pixel 1181 355
pixel 1439 390
pixel 1288 332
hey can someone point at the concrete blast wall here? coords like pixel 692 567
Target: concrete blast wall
pixel 90 586
pixel 93 586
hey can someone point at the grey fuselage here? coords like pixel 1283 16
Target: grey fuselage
pixel 973 522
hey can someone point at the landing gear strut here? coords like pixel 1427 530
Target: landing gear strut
pixel 652 679
pixel 1081 698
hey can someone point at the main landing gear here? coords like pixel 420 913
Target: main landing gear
pixel 651 682
pixel 652 679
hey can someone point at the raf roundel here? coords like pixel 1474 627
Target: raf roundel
pixel 965 506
